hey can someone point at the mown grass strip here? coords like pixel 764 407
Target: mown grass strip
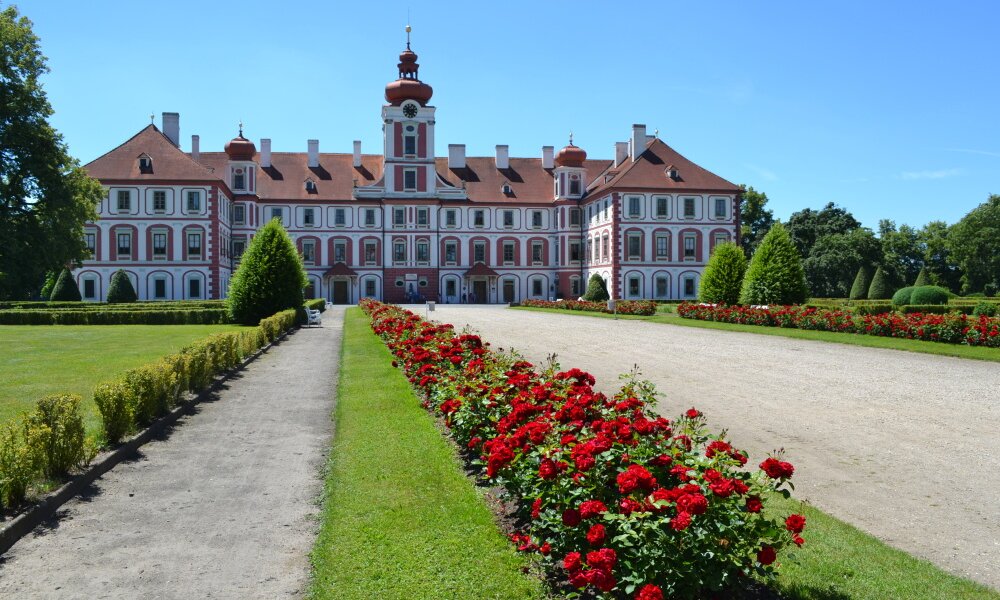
pixel 853 339
pixel 399 519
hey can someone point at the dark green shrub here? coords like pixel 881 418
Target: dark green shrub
pixel 65 289
pixel 114 400
pixel 153 390
pixel 114 316
pixel 723 277
pixel 270 277
pixel 873 309
pixel 775 274
pixel 936 309
pixel 120 289
pixel 597 290
pixel 862 281
pixel 50 282
pixel 64 446
pixel 316 304
pixel 985 309
pixel 922 278
pixel 929 294
pixel 880 288
pixel 902 296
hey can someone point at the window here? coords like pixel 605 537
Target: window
pixel 340 251
pixel 633 286
pixel 339 217
pixel 371 252
pixel 689 286
pixel 689 246
pixel 604 213
pixel 410 141
pixel 506 190
pixel 308 217
pixel 661 286
pixel 450 218
pixel 159 245
pixel 508 219
pixel 239 247
pixel 634 207
pixel 399 251
pixel 450 253
pixel 574 185
pixel 90 241
pixel 422 216
pixel 194 245
pixel 369 217
pixel 124 246
pixel 194 288
pixel 89 289
pixel 634 246
pixel 239 214
pixel 574 252
pixel 479 218
pixel 159 201
pixel 145 164
pixel 398 216
pixel 194 201
pixel 536 219
pixel 124 200
pixel 720 208
pixel 423 251
pixel 661 208
pixel 508 253
pixel 662 246
pixel 370 288
pixel 309 252
pixel 239 179
pixel 720 238
pixel 574 217
pixel 159 288
pixel 450 289
pixel 276 214
pixel 689 208
pixel 479 252
pixel 536 253
pixel 536 287
pixel 310 186
pixel 410 180
pixel 574 286
pixel 604 248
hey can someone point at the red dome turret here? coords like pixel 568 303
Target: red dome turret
pixel 408 86
pixel 240 148
pixel 571 156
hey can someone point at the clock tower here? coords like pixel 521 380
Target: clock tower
pixel 408 131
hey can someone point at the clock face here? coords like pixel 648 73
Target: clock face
pixel 410 111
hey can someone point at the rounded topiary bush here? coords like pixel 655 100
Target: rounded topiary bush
pixel 880 288
pixel 723 277
pixel 270 277
pixel 902 296
pixel 597 290
pixel 775 274
pixel 929 294
pixel 985 309
pixel 859 290
pixel 120 289
pixel 65 289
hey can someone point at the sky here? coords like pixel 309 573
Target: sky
pixel 888 109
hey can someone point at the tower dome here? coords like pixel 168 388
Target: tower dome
pixel 240 148
pixel 571 156
pixel 408 86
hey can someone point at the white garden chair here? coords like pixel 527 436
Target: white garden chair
pixel 314 317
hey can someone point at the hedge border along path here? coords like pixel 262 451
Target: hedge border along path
pixel 400 520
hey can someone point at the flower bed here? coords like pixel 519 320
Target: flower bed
pixel 623 307
pixel 614 500
pixel 948 328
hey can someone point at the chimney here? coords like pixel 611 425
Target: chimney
pixel 548 160
pixel 357 153
pixel 503 156
pixel 456 156
pixel 313 153
pixel 621 152
pixel 265 152
pixel 172 127
pixel 638 141
pixel 195 147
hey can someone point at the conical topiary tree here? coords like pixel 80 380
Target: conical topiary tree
pixel 775 274
pixel 597 290
pixel 723 277
pixel 120 289
pixel 859 291
pixel 65 289
pixel 880 288
pixel 922 278
pixel 270 277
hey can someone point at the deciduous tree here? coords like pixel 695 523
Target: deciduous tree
pixel 975 245
pixel 755 219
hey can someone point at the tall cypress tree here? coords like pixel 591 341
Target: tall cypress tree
pixel 880 288
pixel 270 277
pixel 859 290
pixel 723 277
pixel 775 274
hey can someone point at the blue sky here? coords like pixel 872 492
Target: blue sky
pixel 886 108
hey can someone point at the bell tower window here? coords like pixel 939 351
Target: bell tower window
pixel 410 140
pixel 239 179
pixel 410 180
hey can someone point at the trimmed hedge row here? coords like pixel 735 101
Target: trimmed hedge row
pixel 192 316
pixel 623 307
pixel 166 304
pixel 316 304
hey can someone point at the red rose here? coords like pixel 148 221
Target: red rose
pixel 795 523
pixel 627 482
pixel 681 522
pixel 649 592
pixel 663 460
pixel 777 469
pixel 536 508
pixel 798 539
pixel 602 579
pixel 605 558
pixel 571 517
pixel 545 548
pixel 547 469
pixel 579 579
pixel 592 508
pixel 629 505
pixel 754 504
pixel 572 561
pixel 693 413
pixel 722 488
pixel 766 555
pixel 696 504
pixel 596 535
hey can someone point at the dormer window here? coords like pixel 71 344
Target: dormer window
pixel 574 185
pixel 310 186
pixel 506 189
pixel 145 163
pixel 671 172
pixel 239 179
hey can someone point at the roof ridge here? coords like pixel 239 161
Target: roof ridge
pixel 137 134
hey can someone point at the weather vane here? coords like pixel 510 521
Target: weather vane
pixel 656 133
pixel 152 118
pixel 571 138
pixel 241 127
pixel 408 29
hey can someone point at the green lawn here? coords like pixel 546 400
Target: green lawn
pixel 870 341
pixel 38 360
pixel 400 519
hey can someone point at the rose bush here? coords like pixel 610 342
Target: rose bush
pixel 623 307
pixel 948 328
pixel 613 499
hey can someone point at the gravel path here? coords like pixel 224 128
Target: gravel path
pixel 224 507
pixel 902 445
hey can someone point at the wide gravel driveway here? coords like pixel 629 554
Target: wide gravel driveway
pixel 902 445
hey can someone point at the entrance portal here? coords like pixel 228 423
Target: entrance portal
pixel 480 292
pixel 508 290
pixel 340 292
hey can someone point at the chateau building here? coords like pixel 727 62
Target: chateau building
pixel 407 225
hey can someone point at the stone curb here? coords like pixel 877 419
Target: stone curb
pixel 26 522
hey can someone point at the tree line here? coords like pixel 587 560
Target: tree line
pixel 963 257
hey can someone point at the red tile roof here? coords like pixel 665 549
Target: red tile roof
pixel 286 178
pixel 169 162
pixel 529 182
pixel 649 172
